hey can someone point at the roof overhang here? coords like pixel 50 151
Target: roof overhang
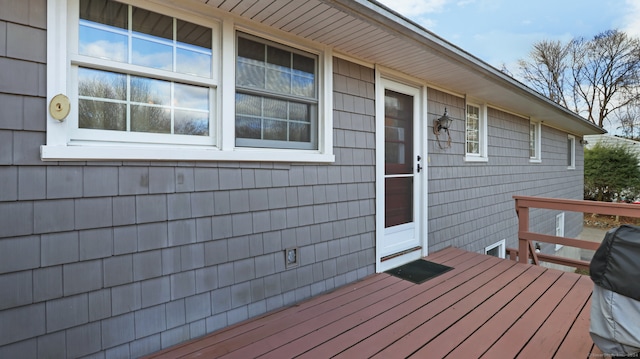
pixel 368 31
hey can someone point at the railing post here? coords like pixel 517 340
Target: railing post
pixel 523 226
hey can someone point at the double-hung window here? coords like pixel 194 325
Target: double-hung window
pixel 476 133
pixel 154 80
pixel 535 141
pixel 141 77
pixel 276 95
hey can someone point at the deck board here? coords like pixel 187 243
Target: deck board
pixel 484 307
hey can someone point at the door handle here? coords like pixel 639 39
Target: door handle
pixel 419 168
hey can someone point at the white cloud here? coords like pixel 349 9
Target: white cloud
pixel 465 2
pixel 413 8
pixel 632 20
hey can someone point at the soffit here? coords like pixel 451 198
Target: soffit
pixel 373 33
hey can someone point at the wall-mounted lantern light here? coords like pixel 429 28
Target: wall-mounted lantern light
pixel 441 124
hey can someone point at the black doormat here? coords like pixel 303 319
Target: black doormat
pixel 419 271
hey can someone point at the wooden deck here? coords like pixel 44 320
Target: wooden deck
pixel 485 308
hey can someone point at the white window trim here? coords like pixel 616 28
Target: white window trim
pixel 572 154
pixel 537 158
pixel 59 148
pixel 482 156
pixel 559 229
pixel 501 244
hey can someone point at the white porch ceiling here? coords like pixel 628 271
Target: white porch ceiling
pixel 375 34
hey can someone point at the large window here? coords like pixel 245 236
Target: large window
pixel 476 133
pixel 141 76
pixel 149 80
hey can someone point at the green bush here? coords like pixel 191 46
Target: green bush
pixel 611 173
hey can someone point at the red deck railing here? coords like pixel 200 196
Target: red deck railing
pixel 526 252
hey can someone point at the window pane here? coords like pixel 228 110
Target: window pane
pixel 248 127
pixel 275 108
pixel 278 70
pixel 275 130
pixel 104 12
pixel 278 81
pixel 151 23
pixel 278 58
pixel 398 132
pixel 251 50
pixel 303 81
pixel 472 147
pixel 191 123
pixel 398 201
pixel 150 91
pixel 195 35
pixel 194 56
pixel 250 68
pixel 193 63
pixel 191 97
pixel 102 84
pixel 152 54
pixel 248 105
pixel 303 86
pixel 304 66
pixel 299 112
pixel 102 115
pixel 299 132
pixel 250 75
pixel 102 44
pixel 150 119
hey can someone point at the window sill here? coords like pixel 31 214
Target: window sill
pixel 468 158
pixel 535 160
pixel 123 153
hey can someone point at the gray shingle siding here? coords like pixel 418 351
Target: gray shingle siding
pixel 471 203
pixel 121 259
pixel 126 258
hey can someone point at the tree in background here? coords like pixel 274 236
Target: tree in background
pixel 611 173
pixel 594 77
pixel 629 121
pixel 546 70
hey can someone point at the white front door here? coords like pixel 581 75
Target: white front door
pixel 400 172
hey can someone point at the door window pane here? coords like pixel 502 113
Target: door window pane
pixel 398 201
pixel 398 133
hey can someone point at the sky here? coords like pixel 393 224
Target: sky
pixel 503 31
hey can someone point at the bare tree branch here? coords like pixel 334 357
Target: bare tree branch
pixel 594 77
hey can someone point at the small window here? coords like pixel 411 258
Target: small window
pixel 535 141
pixel 276 95
pixel 497 249
pixel 571 152
pixel 476 133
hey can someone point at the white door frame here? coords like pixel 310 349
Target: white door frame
pixel 387 80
